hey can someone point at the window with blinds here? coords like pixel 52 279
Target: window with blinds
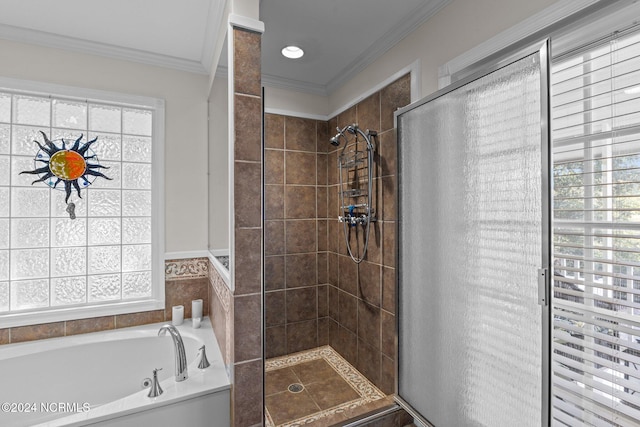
pixel 596 243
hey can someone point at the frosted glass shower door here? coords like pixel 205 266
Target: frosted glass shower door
pixel 472 164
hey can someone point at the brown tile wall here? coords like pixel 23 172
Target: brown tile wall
pixel 243 339
pixel 296 315
pixel 185 281
pixel 315 294
pixel 362 325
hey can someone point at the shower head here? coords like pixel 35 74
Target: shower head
pixel 335 141
pixel 352 129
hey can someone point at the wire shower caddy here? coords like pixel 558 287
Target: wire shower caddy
pixel 356 173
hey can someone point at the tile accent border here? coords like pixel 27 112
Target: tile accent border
pixel 367 391
pixel 190 268
pixel 221 290
pixel 221 321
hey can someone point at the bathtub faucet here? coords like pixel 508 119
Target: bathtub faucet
pixel 178 345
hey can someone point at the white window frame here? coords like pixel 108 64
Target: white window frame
pixel 89 310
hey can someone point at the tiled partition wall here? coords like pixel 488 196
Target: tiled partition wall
pixel 351 306
pixel 185 280
pixel 295 234
pixel 237 315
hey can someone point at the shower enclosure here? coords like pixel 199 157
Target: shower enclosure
pixel 330 326
pixel 474 249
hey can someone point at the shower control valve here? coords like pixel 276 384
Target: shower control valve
pixel 354 220
pixel 351 220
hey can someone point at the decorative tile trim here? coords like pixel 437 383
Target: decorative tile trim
pixel 189 268
pixel 220 287
pixel 367 391
pixel 223 294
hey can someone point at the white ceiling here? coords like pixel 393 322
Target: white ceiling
pixel 172 33
pixel 340 37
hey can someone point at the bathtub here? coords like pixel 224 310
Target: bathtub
pixel 96 379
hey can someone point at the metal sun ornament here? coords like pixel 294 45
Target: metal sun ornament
pixel 69 165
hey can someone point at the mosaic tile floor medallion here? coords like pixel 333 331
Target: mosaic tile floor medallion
pixel 314 387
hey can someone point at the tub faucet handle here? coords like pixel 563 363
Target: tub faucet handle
pixel 204 362
pixel 154 386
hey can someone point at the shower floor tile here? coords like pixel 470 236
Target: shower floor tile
pixel 316 388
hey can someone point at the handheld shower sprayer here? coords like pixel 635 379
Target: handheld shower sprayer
pixel 355 171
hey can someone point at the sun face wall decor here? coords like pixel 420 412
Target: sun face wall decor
pixel 69 165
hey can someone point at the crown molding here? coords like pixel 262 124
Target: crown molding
pixel 222 71
pixel 416 93
pixel 297 114
pixel 416 86
pixel 295 85
pixel 413 20
pixel 42 38
pixel 214 24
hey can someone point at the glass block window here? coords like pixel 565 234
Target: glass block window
pixel 105 257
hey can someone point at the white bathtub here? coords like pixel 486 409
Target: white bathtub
pixel 97 379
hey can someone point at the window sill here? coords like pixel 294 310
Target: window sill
pixel 75 313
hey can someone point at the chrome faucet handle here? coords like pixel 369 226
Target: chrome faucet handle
pixel 204 362
pixel 154 386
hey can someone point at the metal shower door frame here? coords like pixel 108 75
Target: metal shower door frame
pixel 544 279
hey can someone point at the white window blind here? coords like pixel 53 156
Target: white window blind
pixel 596 281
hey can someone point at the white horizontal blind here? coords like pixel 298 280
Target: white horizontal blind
pixel 596 282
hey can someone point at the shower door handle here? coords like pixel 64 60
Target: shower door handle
pixel 543 286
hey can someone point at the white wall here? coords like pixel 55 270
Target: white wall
pixel 185 95
pixel 283 101
pixel 219 165
pixel 458 27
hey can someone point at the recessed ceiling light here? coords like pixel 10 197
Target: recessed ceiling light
pixel 293 52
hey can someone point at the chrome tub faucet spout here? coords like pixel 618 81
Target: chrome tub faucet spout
pixel 180 356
